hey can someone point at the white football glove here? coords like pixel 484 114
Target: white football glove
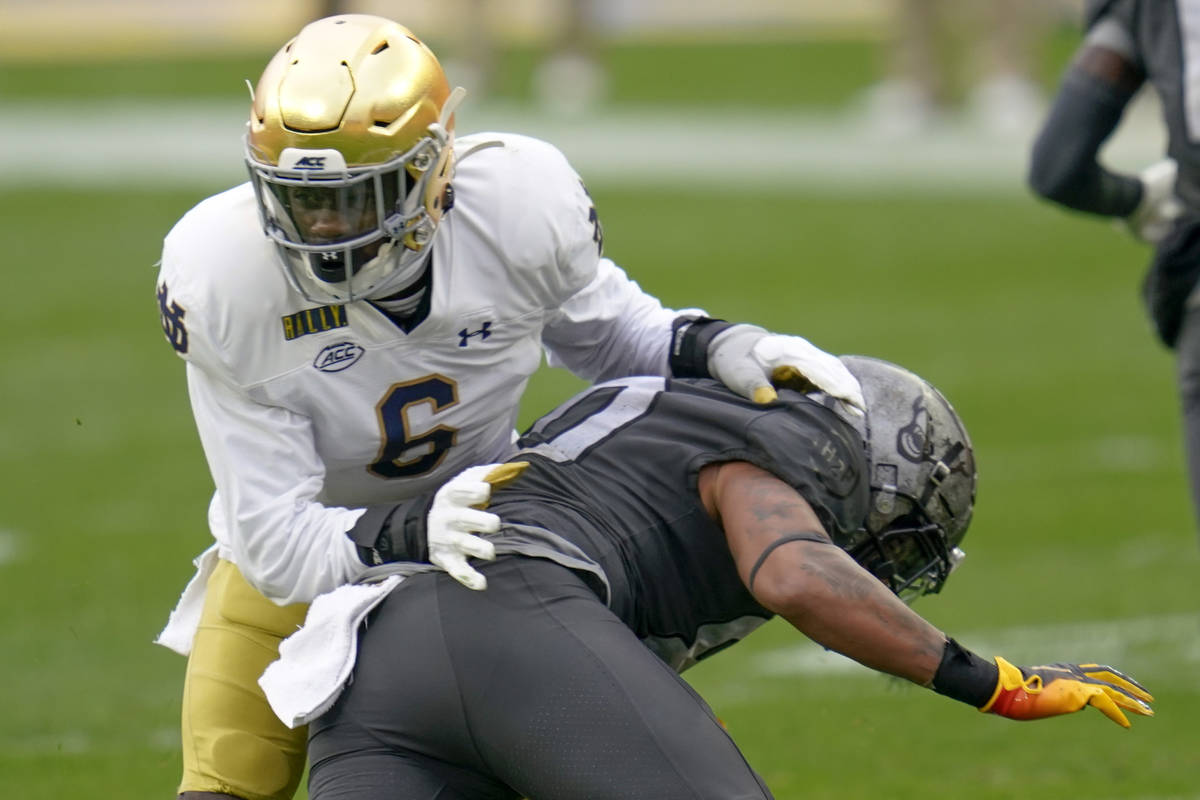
pixel 456 514
pixel 1151 221
pixel 749 360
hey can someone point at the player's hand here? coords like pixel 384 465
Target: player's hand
pixel 1047 691
pixel 457 514
pixel 1151 221
pixel 752 362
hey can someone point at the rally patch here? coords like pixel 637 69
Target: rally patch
pixel 314 320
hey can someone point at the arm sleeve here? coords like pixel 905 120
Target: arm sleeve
pixel 1064 167
pixel 610 329
pixel 263 460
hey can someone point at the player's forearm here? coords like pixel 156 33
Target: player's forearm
pixel 839 605
pixel 304 553
pixel 286 544
pixel 793 569
pixel 1087 109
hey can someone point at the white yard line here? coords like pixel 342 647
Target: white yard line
pixel 81 742
pixel 199 143
pixel 9 547
pixel 1105 641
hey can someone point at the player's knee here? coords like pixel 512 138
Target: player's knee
pixel 244 766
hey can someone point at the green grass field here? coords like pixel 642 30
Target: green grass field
pixel 1083 545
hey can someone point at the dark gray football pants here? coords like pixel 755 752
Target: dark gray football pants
pixel 1172 297
pixel 532 688
pixel 1188 366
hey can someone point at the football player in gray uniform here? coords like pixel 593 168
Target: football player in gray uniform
pixel 658 521
pixel 358 322
pixel 1130 43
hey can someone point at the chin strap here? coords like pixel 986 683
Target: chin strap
pixel 441 132
pixel 440 129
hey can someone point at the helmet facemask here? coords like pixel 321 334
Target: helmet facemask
pixel 379 220
pixel 910 556
pixel 922 481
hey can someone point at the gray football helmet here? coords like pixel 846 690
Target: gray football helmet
pixel 922 479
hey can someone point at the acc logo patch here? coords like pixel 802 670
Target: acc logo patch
pixel 310 162
pixel 337 357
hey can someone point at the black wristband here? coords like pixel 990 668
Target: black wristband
pixel 690 337
pixel 409 538
pixel 964 676
pixel 393 533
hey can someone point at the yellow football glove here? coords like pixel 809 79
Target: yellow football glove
pixel 1047 691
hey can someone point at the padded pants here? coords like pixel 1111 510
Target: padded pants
pixel 232 740
pixel 532 688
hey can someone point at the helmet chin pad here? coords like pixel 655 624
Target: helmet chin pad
pixel 330 267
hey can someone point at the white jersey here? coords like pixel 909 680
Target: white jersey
pixel 309 413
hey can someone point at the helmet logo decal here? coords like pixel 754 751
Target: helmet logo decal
pixel 337 357
pixel 911 442
pixel 310 162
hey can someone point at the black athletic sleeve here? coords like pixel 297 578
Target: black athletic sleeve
pixel 1064 166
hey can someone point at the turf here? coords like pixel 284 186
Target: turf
pixel 1026 317
pixel 1083 544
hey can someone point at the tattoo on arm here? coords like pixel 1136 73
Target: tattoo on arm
pixel 816 585
pixel 776 507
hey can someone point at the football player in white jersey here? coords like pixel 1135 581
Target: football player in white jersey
pixel 359 321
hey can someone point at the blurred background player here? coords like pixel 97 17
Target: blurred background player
pixel 1130 43
pixel 659 521
pixel 358 323
pixel 942 49
pixel 570 79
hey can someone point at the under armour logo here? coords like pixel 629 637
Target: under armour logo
pixel 482 333
pixel 172 315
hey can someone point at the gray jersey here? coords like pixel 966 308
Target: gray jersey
pixel 614 473
pixel 569 704
pixel 1165 37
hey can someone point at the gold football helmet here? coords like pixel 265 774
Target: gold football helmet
pixel 351 150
